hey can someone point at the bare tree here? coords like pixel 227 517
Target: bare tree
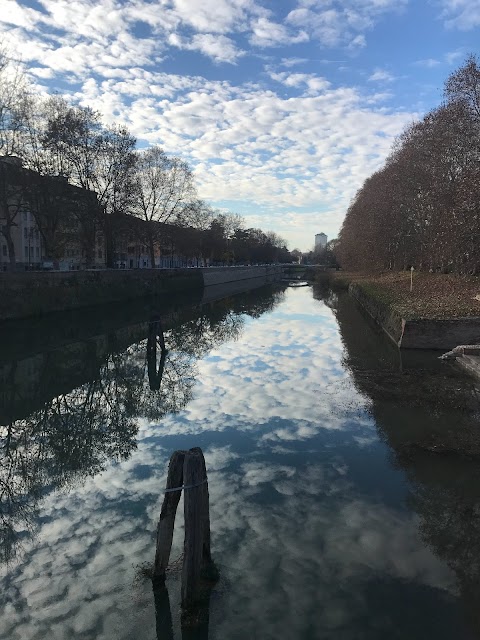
pixel 14 107
pixel 165 190
pixel 464 86
pixel 97 158
pixel 422 208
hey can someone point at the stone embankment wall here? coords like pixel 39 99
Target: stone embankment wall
pixel 418 334
pixel 223 275
pixel 36 293
pixel 380 311
pixel 440 334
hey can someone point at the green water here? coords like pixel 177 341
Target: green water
pixel 344 486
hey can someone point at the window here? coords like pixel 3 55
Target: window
pixel 25 232
pixel 100 254
pixel 38 252
pixel 26 252
pixel 4 250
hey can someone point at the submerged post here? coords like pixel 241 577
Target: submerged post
pixel 187 471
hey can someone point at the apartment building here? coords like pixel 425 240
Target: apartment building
pixel 48 223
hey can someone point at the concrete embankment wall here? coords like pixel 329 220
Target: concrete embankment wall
pixel 418 334
pixel 440 334
pixel 380 311
pixel 32 294
pixel 223 275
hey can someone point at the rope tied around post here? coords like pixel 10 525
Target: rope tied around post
pixel 186 486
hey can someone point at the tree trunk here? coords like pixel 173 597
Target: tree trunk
pixel 108 241
pixel 7 232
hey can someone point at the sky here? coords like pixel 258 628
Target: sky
pixel 282 108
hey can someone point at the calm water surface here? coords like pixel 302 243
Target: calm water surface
pixel 331 517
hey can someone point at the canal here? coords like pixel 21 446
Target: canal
pixel 344 477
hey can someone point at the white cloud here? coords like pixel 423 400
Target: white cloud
pixel 91 20
pixel 292 62
pixel 18 15
pixel 381 75
pixel 335 23
pixel 454 56
pixel 460 14
pixel 41 72
pixel 265 33
pixel 312 83
pixel 217 47
pixel 428 63
pixel 358 42
pixel 216 16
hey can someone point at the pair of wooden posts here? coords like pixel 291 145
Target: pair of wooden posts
pixel 187 472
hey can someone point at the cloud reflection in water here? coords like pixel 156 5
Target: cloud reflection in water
pixel 308 522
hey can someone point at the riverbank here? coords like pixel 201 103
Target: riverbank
pixel 441 312
pixel 38 293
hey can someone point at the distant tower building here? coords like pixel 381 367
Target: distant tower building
pixel 320 241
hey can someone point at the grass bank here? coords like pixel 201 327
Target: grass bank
pixel 435 296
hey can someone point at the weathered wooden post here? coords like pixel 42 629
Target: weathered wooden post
pixel 197 556
pixel 187 471
pixel 167 514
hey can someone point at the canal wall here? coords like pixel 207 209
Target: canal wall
pixel 30 294
pixel 418 333
pixel 224 275
pixel 38 363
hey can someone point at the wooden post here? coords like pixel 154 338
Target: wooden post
pixel 187 471
pixel 167 515
pixel 197 526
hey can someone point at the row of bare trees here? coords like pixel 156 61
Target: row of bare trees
pixel 422 208
pixel 60 145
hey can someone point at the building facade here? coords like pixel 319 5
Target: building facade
pixel 47 223
pixel 320 241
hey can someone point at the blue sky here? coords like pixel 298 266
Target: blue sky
pixel 281 108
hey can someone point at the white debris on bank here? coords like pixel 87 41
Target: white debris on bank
pixel 467 356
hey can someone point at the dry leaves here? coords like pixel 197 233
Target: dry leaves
pixel 434 295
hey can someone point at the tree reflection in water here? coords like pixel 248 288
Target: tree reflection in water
pixel 428 412
pixel 65 413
